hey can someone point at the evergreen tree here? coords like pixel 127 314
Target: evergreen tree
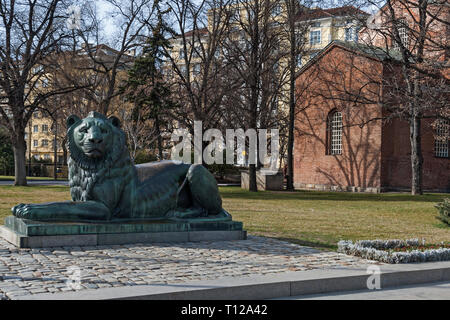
pixel 145 86
pixel 6 152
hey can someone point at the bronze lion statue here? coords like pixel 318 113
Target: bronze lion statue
pixel 106 185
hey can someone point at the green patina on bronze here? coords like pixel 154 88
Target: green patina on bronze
pixel 41 228
pixel 106 185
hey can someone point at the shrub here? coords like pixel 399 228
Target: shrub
pixel 385 251
pixel 444 211
pixel 144 156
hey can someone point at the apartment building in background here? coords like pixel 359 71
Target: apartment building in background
pixel 323 26
pixel 40 139
pixel 327 25
pixel 40 131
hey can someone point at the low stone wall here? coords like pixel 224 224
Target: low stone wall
pixel 264 182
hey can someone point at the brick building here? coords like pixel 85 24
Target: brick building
pixel 341 141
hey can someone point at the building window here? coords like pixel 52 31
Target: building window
pixel 351 34
pixel 314 37
pixel 35 128
pixel 235 14
pixel 402 28
pixel 37 70
pixel 35 143
pixel 299 60
pixel 196 52
pixel 334 133
pixel 197 68
pixel 44 142
pixel 313 54
pixel 183 70
pixel 276 67
pixel 217 53
pixel 181 54
pixel 36 114
pixel 46 157
pixel 441 142
pixel 44 128
pixel 276 10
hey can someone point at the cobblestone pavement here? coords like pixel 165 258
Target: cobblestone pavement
pixel 31 271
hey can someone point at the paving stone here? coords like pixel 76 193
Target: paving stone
pixel 47 270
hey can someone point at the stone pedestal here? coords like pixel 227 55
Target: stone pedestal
pixel 36 234
pixel 264 181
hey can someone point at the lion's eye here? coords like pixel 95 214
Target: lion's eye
pixel 83 130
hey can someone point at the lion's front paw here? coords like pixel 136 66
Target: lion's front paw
pixel 15 209
pixel 25 211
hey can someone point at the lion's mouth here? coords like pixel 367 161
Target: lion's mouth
pixel 93 151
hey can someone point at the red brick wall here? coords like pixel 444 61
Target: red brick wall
pixel 375 155
pixel 396 148
pixel 396 158
pixel 329 84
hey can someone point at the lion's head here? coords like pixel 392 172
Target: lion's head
pixel 95 140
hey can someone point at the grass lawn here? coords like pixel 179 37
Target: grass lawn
pixel 11 178
pixel 313 218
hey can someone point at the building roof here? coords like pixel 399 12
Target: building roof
pixel 103 49
pixel 373 52
pixel 319 13
pixel 201 31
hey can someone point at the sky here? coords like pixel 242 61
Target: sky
pixel 104 8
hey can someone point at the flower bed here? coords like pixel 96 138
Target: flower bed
pixel 395 251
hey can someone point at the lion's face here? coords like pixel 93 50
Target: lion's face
pixel 95 141
pixel 93 136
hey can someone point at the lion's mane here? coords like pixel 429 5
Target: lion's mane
pixel 85 172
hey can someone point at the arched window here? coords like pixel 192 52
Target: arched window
pixel 441 142
pixel 403 29
pixel 334 133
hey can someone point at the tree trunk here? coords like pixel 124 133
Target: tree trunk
pixel 290 147
pixel 55 150
pixel 20 176
pixel 159 139
pixel 63 145
pixel 290 153
pixel 416 155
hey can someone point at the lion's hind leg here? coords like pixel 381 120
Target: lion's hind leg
pixel 203 189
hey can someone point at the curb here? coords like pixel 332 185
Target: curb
pixel 265 287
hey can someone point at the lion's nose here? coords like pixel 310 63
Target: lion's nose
pixel 95 140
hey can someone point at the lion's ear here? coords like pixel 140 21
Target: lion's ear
pixel 71 120
pixel 115 121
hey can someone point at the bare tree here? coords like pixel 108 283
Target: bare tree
pixel 194 67
pixel 415 33
pixel 253 48
pixel 106 58
pixel 32 34
pixel 296 45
